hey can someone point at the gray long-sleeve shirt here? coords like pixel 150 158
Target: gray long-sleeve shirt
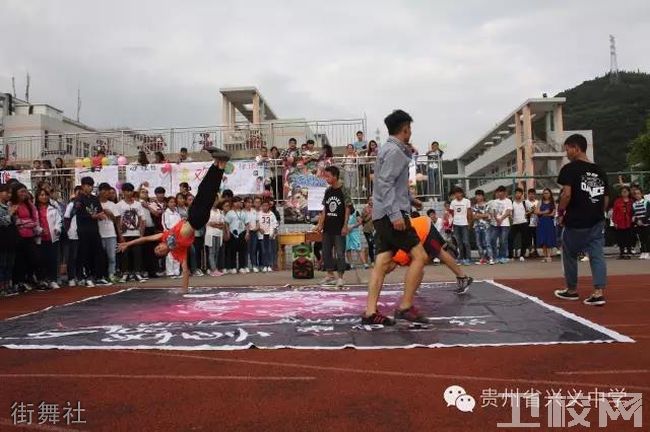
pixel 390 195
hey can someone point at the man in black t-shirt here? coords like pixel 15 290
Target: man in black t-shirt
pixel 333 223
pixel 88 210
pixel 583 202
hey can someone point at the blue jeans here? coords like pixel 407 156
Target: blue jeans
pixel 432 174
pixel 483 242
pixel 500 234
pixel 253 250
pixel 267 251
pixel 461 233
pixel 109 244
pixel 589 240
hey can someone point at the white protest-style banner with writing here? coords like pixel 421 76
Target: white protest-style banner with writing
pixel 25 177
pixel 242 177
pixel 151 176
pixel 107 174
pixel 315 196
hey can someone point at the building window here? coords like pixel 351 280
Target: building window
pixel 68 145
pixel 46 139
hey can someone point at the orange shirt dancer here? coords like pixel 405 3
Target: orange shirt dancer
pixel 180 237
pixel 435 246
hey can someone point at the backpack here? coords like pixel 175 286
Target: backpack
pixel 303 262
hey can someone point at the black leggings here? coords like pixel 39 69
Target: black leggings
pixel 236 252
pixel 625 240
pixel 199 212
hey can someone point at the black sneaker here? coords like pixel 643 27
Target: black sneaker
pixel 411 314
pixel 377 318
pixel 567 295
pixel 218 153
pixel 463 284
pixel 43 286
pixel 592 300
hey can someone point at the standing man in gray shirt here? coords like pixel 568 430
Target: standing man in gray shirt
pixel 390 216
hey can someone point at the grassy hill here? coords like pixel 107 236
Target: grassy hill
pixel 615 112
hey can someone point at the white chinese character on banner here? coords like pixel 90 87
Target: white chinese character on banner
pixel 72 414
pixel 489 397
pixel 48 413
pixel 22 413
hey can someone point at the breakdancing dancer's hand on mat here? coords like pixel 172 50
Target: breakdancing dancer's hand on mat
pixel 180 237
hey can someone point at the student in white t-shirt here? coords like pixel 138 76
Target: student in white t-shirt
pixel 268 226
pixel 70 223
pixel 519 228
pixel 532 204
pixel 107 232
pixel 171 217
pixel 252 245
pixel 214 237
pixel 500 210
pixel 131 227
pixel 462 209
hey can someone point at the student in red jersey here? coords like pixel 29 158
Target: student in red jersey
pixel 180 237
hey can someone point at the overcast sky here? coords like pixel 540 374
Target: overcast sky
pixel 457 66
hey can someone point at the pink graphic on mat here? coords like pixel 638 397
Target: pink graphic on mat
pixel 265 306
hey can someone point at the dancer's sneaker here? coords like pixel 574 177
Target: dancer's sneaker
pixel 328 281
pixel 219 154
pixel 411 314
pixel 593 300
pixel 377 318
pixel 463 284
pixel 566 294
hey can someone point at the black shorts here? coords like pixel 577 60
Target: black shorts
pixel 387 239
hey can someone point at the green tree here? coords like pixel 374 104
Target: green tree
pixel 640 149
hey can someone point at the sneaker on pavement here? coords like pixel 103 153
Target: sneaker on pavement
pixel 340 283
pixel 566 294
pixel 592 300
pixel 124 278
pixel 233 271
pixel 377 318
pixel 328 281
pixel 42 286
pixel 216 273
pixel 411 314
pixel 103 282
pixel 139 278
pixel 522 259
pixel 491 261
pixel 198 273
pixel 72 283
pixel 463 284
pixel 90 283
pixel 54 285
